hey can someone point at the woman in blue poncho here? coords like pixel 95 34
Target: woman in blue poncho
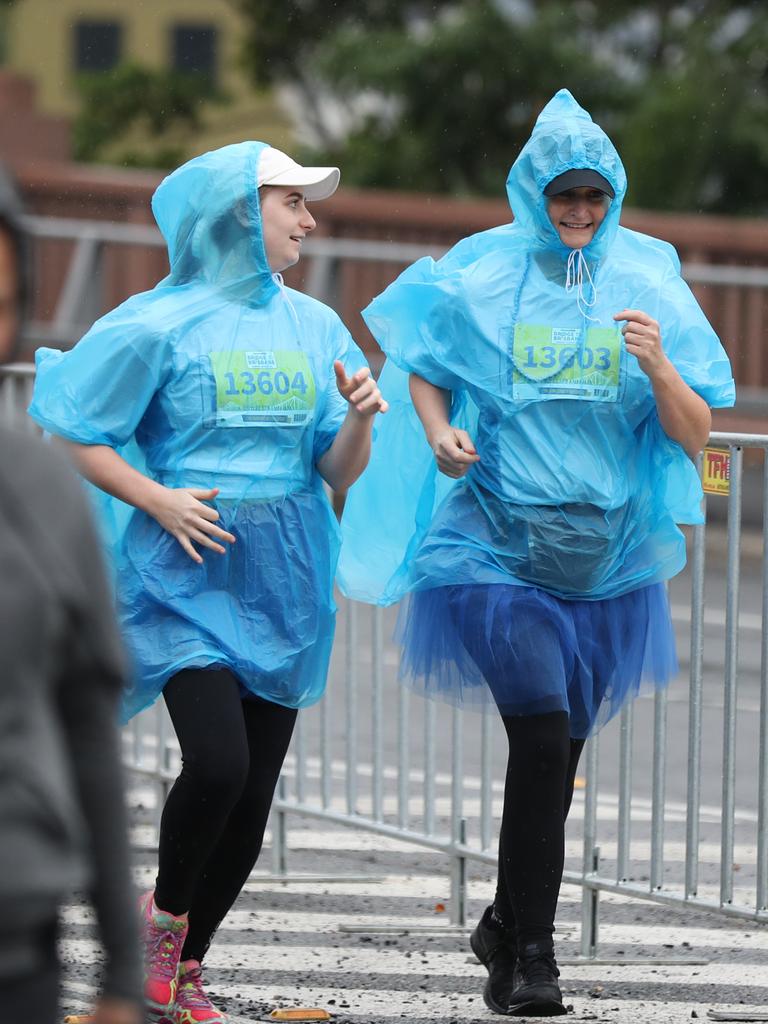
pixel 215 405
pixel 563 373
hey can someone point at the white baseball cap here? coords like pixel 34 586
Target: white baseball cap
pixel 276 168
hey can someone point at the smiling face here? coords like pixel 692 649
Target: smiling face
pixel 577 214
pixel 286 223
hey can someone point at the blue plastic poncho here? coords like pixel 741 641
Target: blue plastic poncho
pixel 578 489
pixel 217 377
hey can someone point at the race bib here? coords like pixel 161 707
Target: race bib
pixel 263 388
pixel 563 362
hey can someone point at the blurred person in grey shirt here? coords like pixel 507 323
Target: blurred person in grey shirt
pixel 62 813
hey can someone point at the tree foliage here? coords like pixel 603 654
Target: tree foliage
pixel 5 13
pixel 440 95
pixel 138 116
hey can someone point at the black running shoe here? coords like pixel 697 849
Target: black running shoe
pixel 536 992
pixel 494 946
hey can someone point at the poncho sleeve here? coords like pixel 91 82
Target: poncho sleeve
pixel 98 392
pixel 390 508
pixel 699 357
pixel 693 346
pixel 421 323
pixel 418 319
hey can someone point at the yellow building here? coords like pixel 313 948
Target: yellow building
pixel 53 41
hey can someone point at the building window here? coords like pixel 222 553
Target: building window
pixel 194 49
pixel 98 45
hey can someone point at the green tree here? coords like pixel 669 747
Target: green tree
pixel 5 13
pixel 462 97
pixel 286 43
pixel 440 96
pixel 696 136
pixel 138 116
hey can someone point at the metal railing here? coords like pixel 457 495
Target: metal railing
pixel 751 900
pixel 373 757
pixel 464 834
pixel 82 295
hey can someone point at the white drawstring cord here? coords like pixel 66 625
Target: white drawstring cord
pixel 575 273
pixel 278 279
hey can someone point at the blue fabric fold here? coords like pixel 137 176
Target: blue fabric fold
pixel 218 377
pixel 574 463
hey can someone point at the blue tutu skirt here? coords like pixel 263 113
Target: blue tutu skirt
pixel 531 653
pixel 264 609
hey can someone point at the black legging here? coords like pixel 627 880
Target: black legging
pixel 537 797
pixel 540 773
pixel 212 827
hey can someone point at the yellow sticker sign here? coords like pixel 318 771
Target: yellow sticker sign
pixel 716 470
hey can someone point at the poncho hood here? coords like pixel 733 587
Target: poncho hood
pixel 209 213
pixel 520 331
pixel 564 138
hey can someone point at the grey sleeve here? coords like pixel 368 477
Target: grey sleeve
pixel 88 694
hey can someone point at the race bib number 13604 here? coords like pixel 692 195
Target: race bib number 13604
pixel 263 388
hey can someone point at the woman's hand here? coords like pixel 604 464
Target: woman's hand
pixel 182 513
pixel 642 337
pixel 453 448
pixel 683 414
pixel 348 456
pixel 360 390
pixel 454 451
pixel 180 510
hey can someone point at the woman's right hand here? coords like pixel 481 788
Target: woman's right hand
pixel 454 452
pixel 180 511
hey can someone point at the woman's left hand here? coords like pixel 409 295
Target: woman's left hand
pixel 642 337
pixel 360 390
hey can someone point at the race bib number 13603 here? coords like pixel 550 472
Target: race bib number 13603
pixel 561 362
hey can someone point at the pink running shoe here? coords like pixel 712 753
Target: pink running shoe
pixel 192 1004
pixel 163 936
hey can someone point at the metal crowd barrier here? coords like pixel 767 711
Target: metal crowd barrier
pixel 372 757
pixel 404 773
pixel 81 297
